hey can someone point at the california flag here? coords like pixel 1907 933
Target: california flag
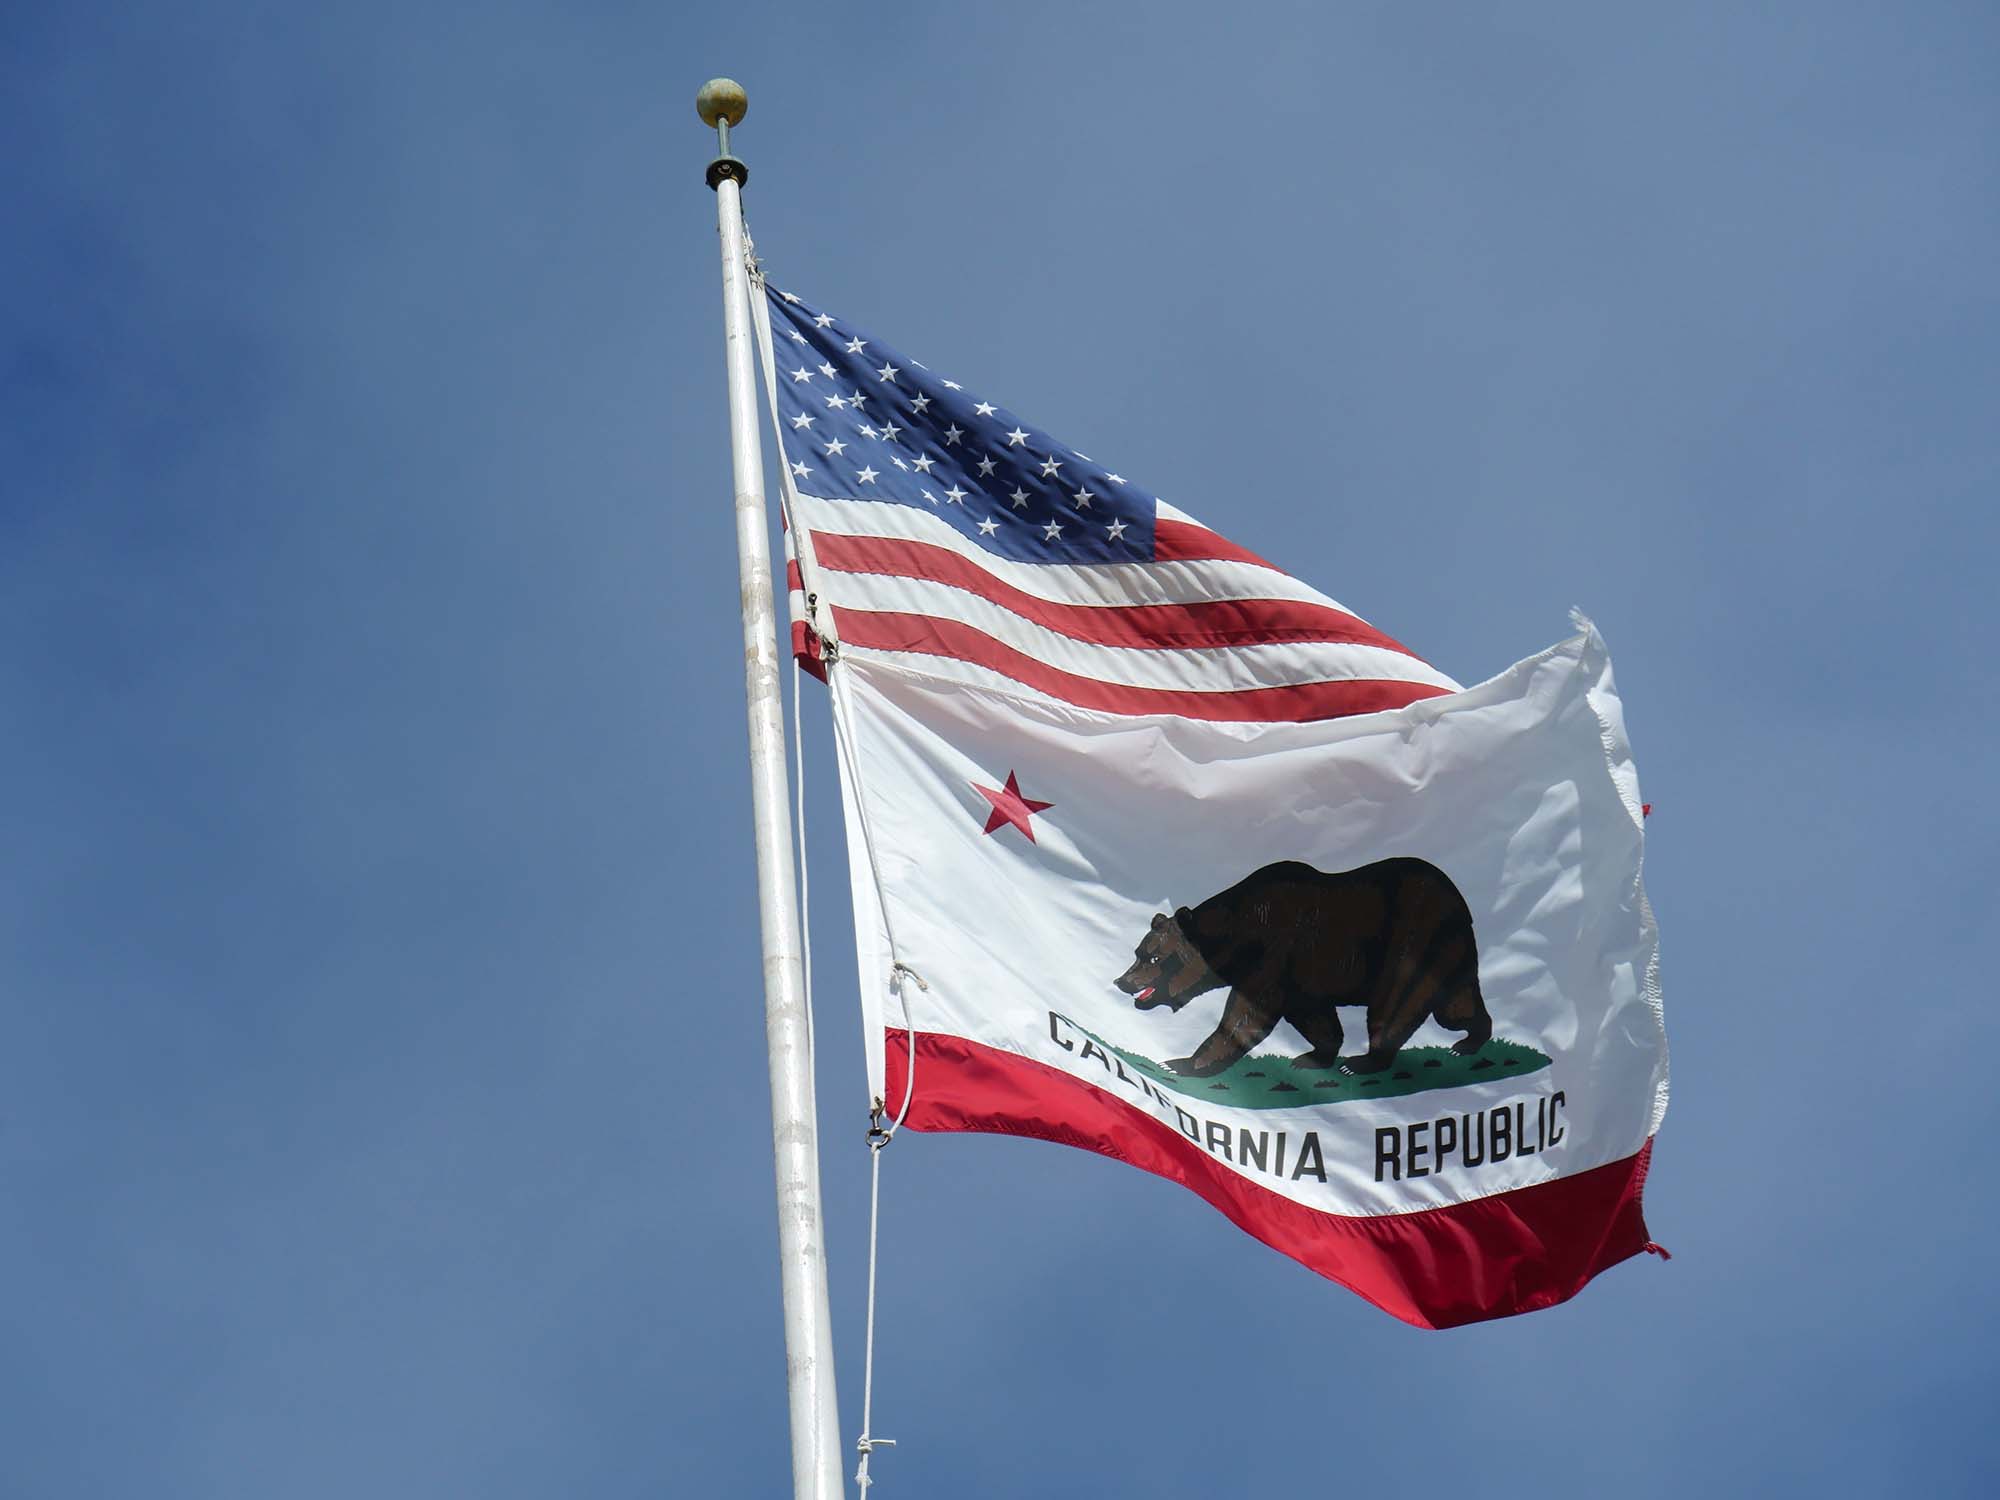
pixel 1382 988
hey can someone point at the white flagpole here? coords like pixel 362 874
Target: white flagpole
pixel 816 1456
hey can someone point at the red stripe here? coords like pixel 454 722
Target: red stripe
pixel 1180 541
pixel 808 650
pixel 1220 622
pixel 795 581
pixel 1438 1268
pixel 885 630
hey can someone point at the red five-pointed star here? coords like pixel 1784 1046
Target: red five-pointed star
pixel 1010 806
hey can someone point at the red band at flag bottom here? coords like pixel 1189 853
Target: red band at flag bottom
pixel 1509 1253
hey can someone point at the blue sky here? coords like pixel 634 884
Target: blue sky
pixel 383 1078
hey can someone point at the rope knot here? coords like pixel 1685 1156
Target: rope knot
pixel 866 1446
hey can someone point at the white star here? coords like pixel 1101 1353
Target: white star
pixel 1019 497
pixel 1016 438
pixel 923 464
pixel 837 401
pixel 802 373
pixel 889 430
pixel 836 446
pixel 1117 529
pixel 1050 465
pixel 986 467
pixel 855 346
pixel 804 419
pixel 953 385
pixel 1115 478
pixel 1052 531
pixel 856 399
pixel 930 497
pixel 899 463
pixel 1083 499
pixel 826 369
pixel 795 336
pixel 867 475
pixel 823 321
pixel 800 469
pixel 952 434
pixel 789 296
pixel 887 372
pixel 955 495
pixel 988 526
pixel 920 403
pixel 983 409
pixel 866 430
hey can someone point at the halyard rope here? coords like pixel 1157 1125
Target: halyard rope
pixel 805 901
pixel 867 1443
pixel 879 1133
pixel 898 970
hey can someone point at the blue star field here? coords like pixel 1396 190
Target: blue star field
pixel 863 422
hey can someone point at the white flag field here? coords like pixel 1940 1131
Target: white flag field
pixel 1383 988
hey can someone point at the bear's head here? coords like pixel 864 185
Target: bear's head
pixel 1167 969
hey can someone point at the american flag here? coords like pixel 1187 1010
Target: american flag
pixel 945 531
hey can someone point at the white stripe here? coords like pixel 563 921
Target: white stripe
pixel 972 674
pixel 795 598
pixel 1213 669
pixel 1074 583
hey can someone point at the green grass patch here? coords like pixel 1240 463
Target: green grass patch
pixel 1267 1080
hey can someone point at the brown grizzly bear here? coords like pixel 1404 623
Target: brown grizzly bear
pixel 1293 943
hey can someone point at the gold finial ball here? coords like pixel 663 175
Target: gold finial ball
pixel 722 99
